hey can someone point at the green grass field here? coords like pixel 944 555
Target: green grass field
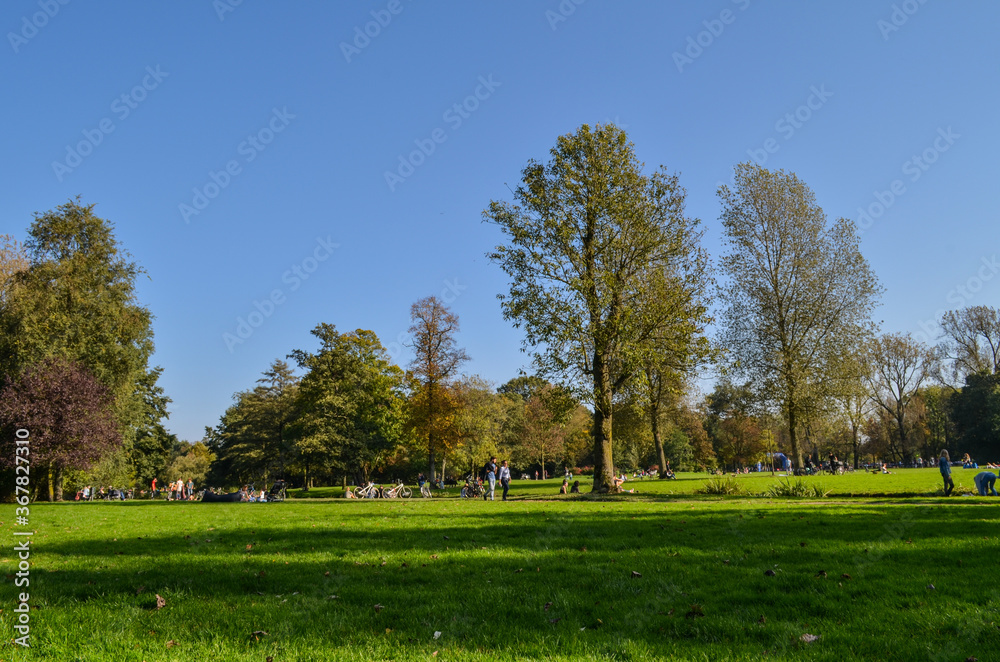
pixel 646 576
pixel 903 482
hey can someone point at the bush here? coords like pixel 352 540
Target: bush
pixel 786 488
pixel 723 485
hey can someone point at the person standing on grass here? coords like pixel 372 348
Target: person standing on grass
pixel 490 474
pixel 944 463
pixel 190 488
pixel 505 478
pixel 986 483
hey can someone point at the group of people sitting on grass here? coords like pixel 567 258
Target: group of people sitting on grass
pixel 89 493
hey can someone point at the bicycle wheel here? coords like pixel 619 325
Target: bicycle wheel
pixel 425 491
pixel 405 492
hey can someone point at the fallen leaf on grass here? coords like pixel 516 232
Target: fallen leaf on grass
pixel 809 638
pixel 636 575
pixel 554 620
pixel 437 634
pixel 249 547
pixel 519 570
pixel 378 608
pixel 695 612
pixel 434 556
pixel 821 573
pixel 930 587
pixel 171 643
pixel 140 590
pixel 762 620
pixel 770 573
pixel 333 597
pixel 845 576
pixel 257 634
pixel 547 605
pixel 160 602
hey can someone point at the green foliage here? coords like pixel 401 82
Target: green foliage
pixel 252 441
pixel 602 259
pixel 799 488
pixel 976 414
pixel 799 294
pixel 350 402
pixel 77 300
pixel 723 486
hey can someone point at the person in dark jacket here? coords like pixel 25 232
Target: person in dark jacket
pixel 944 464
pixel 490 476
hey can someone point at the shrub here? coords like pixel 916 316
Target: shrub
pixel 723 485
pixel 786 488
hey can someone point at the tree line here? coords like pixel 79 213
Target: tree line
pixel 616 299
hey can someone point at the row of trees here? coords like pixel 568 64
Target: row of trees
pixel 613 291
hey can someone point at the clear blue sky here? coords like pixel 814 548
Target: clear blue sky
pixel 326 126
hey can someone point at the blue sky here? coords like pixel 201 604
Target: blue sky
pixel 277 138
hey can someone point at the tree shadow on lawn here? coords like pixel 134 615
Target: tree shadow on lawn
pixel 468 571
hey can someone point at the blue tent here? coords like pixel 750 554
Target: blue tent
pixel 781 461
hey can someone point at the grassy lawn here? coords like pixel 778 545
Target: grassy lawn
pixel 903 482
pixel 528 579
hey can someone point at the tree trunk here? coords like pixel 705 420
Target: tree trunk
pixel 604 467
pixel 444 463
pixel 430 431
pixel 654 416
pixel 854 431
pixel 59 484
pixel 792 436
pixel 52 496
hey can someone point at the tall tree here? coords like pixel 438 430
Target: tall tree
pixel 899 367
pixel 602 261
pixel 252 441
pixel 482 419
pixel 149 454
pixel 800 293
pixel 68 414
pixel 351 403
pixel 77 300
pixel 972 341
pixel 435 364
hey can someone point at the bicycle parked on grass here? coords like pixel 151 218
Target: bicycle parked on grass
pixel 369 491
pixel 399 492
pixel 425 490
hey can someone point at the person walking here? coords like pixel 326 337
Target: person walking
pixel 490 474
pixel 944 464
pixel 986 482
pixel 505 479
pixel 190 489
pixel 152 493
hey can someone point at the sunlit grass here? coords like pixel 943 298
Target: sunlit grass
pixel 527 579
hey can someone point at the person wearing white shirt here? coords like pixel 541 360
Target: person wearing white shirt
pixel 505 478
